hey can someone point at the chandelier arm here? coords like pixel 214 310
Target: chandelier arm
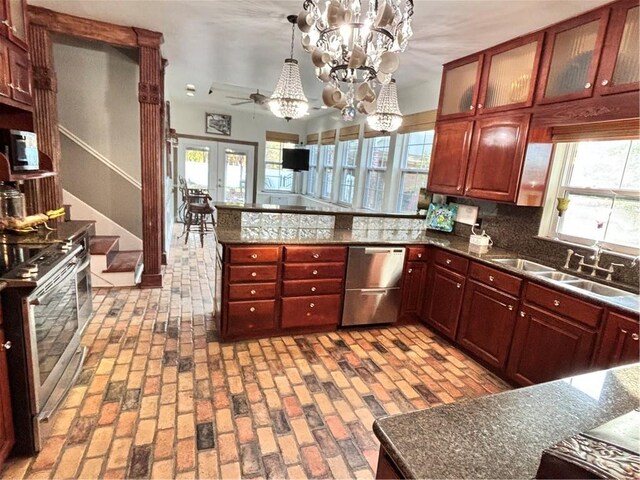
pixel 293 32
pixel 327 31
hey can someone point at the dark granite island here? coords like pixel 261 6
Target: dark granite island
pixel 502 435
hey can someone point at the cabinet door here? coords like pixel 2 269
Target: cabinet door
pixel 460 86
pixel 5 75
pixel 509 75
pixel 18 22
pixel 620 342
pixel 571 58
pixel 496 158
pixel 547 347
pixel 487 322
pixel 4 19
pixel 7 437
pixel 20 76
pixel 413 287
pixel 445 301
pixel 620 64
pixel 448 167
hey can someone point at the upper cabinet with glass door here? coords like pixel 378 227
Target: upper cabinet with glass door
pixel 460 86
pixel 13 21
pixel 571 57
pixel 509 75
pixel 620 66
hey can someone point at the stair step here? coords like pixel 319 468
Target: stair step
pixel 102 244
pixel 125 261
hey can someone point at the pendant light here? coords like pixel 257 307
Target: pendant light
pixel 387 117
pixel 288 100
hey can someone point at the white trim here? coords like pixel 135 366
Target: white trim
pixel 97 155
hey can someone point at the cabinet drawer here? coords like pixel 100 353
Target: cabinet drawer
pixel 416 254
pixel 451 261
pixel 244 318
pixel 257 273
pixel 497 279
pixel 305 311
pixel 299 288
pixel 253 254
pixel 306 271
pixel 252 291
pixel 315 254
pixel 566 305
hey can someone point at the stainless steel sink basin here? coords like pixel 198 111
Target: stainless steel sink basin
pixel 558 276
pixel 598 288
pixel 524 265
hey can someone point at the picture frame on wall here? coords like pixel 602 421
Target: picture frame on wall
pixel 218 124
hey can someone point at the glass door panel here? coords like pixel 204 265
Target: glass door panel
pixel 460 88
pixel 235 176
pixel 18 27
pixel 196 167
pixel 627 67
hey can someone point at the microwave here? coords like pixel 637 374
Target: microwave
pixel 21 149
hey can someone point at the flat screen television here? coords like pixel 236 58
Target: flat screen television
pixel 296 159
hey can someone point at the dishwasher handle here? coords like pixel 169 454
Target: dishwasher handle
pixel 377 250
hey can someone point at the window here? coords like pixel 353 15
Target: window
pixel 377 157
pixel 601 179
pixel 348 171
pixel 275 177
pixel 313 169
pixel 196 167
pixel 414 168
pixel 326 157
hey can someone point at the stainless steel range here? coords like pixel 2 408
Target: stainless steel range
pixel 46 306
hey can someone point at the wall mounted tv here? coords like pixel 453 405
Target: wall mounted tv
pixel 296 159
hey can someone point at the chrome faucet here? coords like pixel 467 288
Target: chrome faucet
pixel 595 266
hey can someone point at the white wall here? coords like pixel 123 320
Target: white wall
pixel 188 118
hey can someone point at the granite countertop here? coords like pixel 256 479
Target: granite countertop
pixel 273 208
pixel 3 285
pixel 62 231
pixel 503 435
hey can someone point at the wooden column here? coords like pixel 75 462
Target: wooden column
pixel 45 118
pixel 151 145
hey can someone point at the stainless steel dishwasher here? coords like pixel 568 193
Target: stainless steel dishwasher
pixel 373 285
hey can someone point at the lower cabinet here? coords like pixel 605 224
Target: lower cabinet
pixel 547 347
pixel 487 322
pixel 386 469
pixel 298 312
pixel 250 318
pixel 7 435
pixel 620 343
pixel 442 308
pixel 413 287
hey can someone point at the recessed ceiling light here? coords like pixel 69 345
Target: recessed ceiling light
pixel 323 107
pixel 191 86
pixel 190 94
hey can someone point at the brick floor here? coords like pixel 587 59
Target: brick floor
pixel 160 397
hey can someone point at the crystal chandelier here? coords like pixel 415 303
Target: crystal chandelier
pixel 387 117
pixel 355 42
pixel 288 100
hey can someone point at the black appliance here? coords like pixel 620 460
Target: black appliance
pixel 296 159
pixel 21 148
pixel 46 306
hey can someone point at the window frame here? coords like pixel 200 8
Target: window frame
pixel 267 162
pixel 344 147
pixel 562 169
pixel 404 170
pixel 370 147
pixel 322 160
pixel 312 174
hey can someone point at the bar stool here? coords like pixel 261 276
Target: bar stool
pixel 198 211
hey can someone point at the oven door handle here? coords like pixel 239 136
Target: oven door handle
pixel 71 270
pixel 83 265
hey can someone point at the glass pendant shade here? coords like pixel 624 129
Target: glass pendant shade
pixel 387 117
pixel 288 100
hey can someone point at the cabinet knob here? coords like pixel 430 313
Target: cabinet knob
pixel 633 335
pixel 11 86
pixel 604 82
pixel 254 255
pixel 316 255
pixel 470 107
pixel 311 305
pixel 6 23
pixel 556 303
pixel 419 255
pixel 410 270
pixel 313 289
pixel 458 285
pixel 7 344
pixel 587 85
pixel 253 274
pixel 480 105
pixel 253 292
pixel 510 307
pixel 315 272
pixel 491 279
pixel 448 262
pixel 252 309
pixel 522 314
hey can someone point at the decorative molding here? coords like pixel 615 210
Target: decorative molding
pixel 149 93
pixel 44 78
pixel 93 152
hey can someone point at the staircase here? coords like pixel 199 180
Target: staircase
pixel 112 267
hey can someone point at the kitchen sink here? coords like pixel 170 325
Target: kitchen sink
pixel 524 265
pixel 557 276
pixel 598 288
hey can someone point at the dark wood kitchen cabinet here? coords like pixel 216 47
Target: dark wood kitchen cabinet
pixel 444 301
pixel 448 168
pixel 7 434
pixel 20 69
pixel 460 87
pixel 487 322
pixel 13 16
pixel 413 288
pixel 620 342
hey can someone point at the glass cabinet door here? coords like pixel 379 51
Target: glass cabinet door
pixel 460 88
pixel 620 70
pixel 510 74
pixel 572 58
pixel 18 23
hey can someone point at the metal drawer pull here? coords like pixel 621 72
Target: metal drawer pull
pixel 313 289
pixel 604 83
pixel 315 272
pixel 253 274
pixel 448 262
pixel 587 85
pixel 311 305
pixel 522 314
pixel 254 255
pixel 491 279
pixel 316 255
pixel 458 285
pixel 633 335
pixel 556 303
pixel 253 292
pixel 7 344
pixel 480 105
pixel 252 309
pixel 410 270
pixel 471 107
pixel 419 255
pixel 510 307
pixel 6 23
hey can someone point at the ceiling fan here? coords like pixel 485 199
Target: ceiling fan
pixel 256 98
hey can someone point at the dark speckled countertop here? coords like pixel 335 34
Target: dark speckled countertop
pixel 275 208
pixel 62 231
pixel 503 435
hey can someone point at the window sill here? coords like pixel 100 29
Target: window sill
pixel 587 247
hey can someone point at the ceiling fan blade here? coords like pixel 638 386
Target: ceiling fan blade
pixel 241 103
pixel 239 98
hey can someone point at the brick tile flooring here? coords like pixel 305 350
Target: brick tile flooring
pixel 160 397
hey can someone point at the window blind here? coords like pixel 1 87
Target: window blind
pixel 282 137
pixel 628 129
pixel 328 137
pixel 418 122
pixel 312 139
pixel 350 133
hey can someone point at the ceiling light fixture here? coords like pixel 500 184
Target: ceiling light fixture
pixel 352 43
pixel 387 117
pixel 288 100
pixel 191 89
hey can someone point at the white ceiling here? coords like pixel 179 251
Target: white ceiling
pixel 239 45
